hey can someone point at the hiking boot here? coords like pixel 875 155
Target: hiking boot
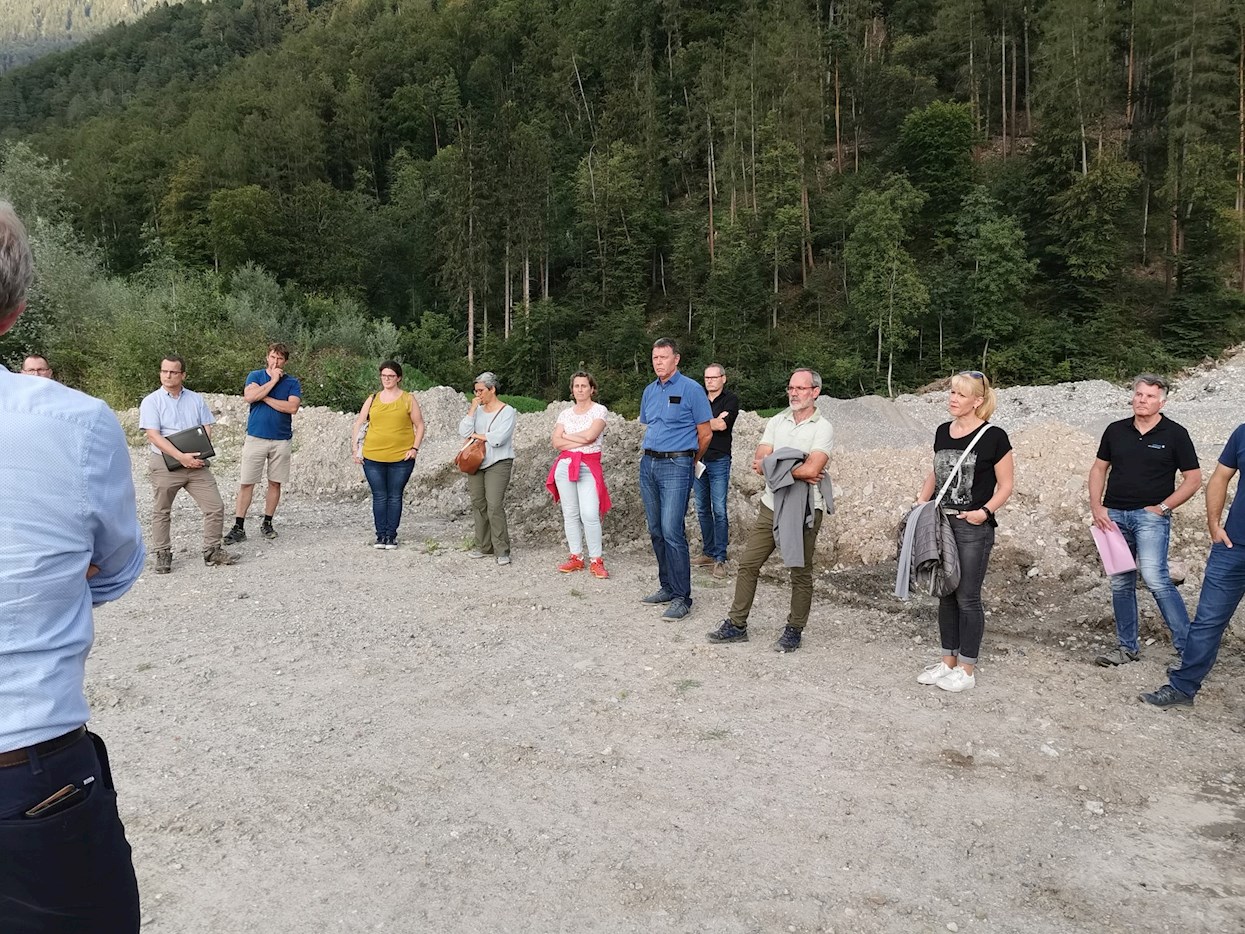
pixel 267 531
pixel 677 609
pixel 729 632
pixel 719 570
pixel 933 673
pixel 956 680
pixel 658 597
pixel 571 564
pixel 164 562
pixel 789 641
pixel 218 557
pixel 1117 656
pixel 235 536
pixel 503 560
pixel 1167 696
pixel 702 561
pixel 597 567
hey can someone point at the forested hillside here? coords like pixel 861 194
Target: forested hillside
pixel 30 29
pixel 1047 189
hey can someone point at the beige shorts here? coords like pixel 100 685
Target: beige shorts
pixel 256 452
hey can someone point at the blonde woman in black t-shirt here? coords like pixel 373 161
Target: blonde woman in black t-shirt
pixel 980 489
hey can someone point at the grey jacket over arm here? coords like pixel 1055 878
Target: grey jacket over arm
pixel 793 502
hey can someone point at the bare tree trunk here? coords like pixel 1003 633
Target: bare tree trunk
pixel 507 296
pixel 527 287
pixel 709 168
pixel 1132 72
pixel 984 351
pixel 1028 107
pixel 1015 131
pixel 838 121
pixel 1003 87
pixel 1080 109
pixel 471 323
pixel 974 94
pixel 806 264
pixel 774 322
pixel 1145 221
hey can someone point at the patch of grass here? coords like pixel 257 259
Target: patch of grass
pixel 686 685
pixel 144 666
pixel 431 546
pixel 715 734
pixel 525 404
pixel 576 593
pixel 623 695
pixel 770 413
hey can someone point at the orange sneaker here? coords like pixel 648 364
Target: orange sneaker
pixel 573 563
pixel 597 567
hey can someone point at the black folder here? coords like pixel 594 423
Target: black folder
pixel 191 441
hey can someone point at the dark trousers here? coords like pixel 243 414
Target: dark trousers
pixel 961 616
pixel 760 545
pixel 71 872
pixel 388 480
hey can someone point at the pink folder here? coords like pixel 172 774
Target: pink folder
pixel 1116 558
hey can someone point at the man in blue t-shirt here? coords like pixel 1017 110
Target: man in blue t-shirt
pixel 1222 586
pixel 676 413
pixel 274 396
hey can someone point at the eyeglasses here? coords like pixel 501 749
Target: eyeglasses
pixel 721 376
pixel 38 369
pixel 170 372
pixel 388 375
pixel 974 374
pixel 800 388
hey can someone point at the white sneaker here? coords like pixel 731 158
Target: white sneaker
pixel 956 680
pixel 932 673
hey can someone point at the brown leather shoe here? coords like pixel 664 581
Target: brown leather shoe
pixel 164 562
pixel 702 561
pixel 719 570
pixel 218 557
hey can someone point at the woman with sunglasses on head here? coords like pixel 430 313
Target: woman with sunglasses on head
pixel 395 429
pixel 490 420
pixel 576 480
pixel 980 488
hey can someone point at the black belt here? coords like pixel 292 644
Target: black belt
pixel 648 453
pixel 46 748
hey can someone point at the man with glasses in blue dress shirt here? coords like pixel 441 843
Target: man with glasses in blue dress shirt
pixel 69 539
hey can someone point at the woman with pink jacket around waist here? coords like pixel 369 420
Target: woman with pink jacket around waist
pixel 576 480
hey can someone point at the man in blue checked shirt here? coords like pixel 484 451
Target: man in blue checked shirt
pixel 69 539
pixel 675 411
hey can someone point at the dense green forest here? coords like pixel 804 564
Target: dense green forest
pixel 30 29
pixel 1047 189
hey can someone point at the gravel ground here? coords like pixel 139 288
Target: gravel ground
pixel 327 737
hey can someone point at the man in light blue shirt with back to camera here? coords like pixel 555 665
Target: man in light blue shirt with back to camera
pixel 69 539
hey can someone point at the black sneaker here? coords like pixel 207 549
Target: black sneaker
pixel 729 632
pixel 789 641
pixel 1167 696
pixel 658 597
pixel 235 536
pixel 677 609
pixel 267 531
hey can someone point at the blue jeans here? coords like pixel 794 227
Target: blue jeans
pixel 666 487
pixel 1147 536
pixel 70 872
pixel 387 480
pixel 711 487
pixel 1222 589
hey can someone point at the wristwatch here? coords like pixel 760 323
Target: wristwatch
pixel 1166 510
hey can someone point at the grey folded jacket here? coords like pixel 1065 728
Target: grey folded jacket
pixel 928 547
pixel 793 502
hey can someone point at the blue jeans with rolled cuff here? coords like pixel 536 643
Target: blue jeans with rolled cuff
pixel 388 481
pixel 1147 536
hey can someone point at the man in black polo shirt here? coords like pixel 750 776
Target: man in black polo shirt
pixel 1142 455
pixel 712 485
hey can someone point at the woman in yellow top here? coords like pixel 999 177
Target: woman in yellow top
pixel 395 428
